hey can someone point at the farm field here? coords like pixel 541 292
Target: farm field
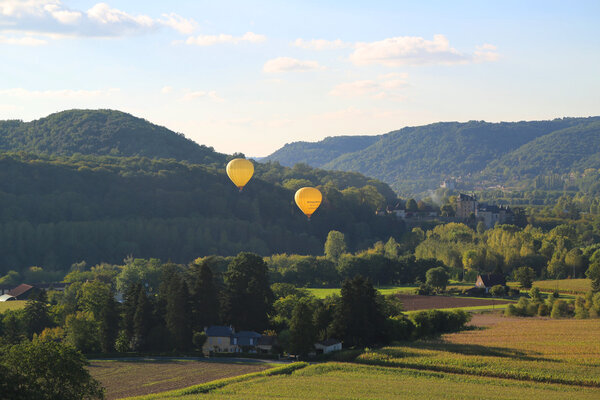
pixel 416 302
pixel 321 293
pixel 574 286
pixel 132 378
pixel 349 381
pixel 533 349
pixel 12 305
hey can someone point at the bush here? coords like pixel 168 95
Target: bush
pixel 514 292
pixel 543 310
pixel 497 291
pixel 559 309
pixel 433 322
pixel 399 328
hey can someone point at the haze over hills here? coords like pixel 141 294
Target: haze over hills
pixel 414 159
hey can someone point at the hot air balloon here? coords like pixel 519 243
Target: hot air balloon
pixel 240 171
pixel 308 200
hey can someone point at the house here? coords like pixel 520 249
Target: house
pixel 492 215
pixel 7 297
pixel 219 339
pixel 488 281
pixel 224 339
pixel 328 346
pixel 24 291
pixel 266 344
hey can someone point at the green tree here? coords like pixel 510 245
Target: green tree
pixel 335 245
pixel 178 315
pixel 525 276
pixel 593 273
pixel 37 315
pixel 497 291
pixel 142 320
pixel 205 297
pixel 358 319
pixel 248 297
pixel 302 331
pixel 46 370
pixel 437 278
pixel 82 332
pixel 575 262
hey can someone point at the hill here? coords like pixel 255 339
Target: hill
pixel 317 154
pixel 101 132
pixel 414 159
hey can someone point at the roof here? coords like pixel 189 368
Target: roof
pixel 465 197
pixel 267 341
pixel 247 334
pixel 245 338
pixel 221 331
pixel 490 280
pixel 19 290
pixel 328 342
pixel 7 297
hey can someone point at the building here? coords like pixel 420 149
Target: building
pixel 247 341
pixel 266 344
pixel 328 346
pixel 219 339
pixel 7 297
pixel 487 281
pixel 492 215
pixel 24 291
pixel 465 206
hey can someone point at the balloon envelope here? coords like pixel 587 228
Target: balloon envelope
pixel 308 200
pixel 240 171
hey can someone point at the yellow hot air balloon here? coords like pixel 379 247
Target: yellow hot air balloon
pixel 240 171
pixel 308 200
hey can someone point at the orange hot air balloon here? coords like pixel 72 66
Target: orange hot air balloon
pixel 308 200
pixel 240 171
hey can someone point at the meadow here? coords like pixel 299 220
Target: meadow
pixel 12 305
pixel 321 293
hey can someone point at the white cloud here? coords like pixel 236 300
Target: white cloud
pixel 22 41
pixel 210 40
pixel 385 86
pixel 287 64
pixel 56 94
pixel 52 19
pixel 211 95
pixel 407 50
pixel 486 52
pixel 321 44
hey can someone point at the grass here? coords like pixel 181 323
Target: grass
pixel 470 309
pixel 144 376
pixel 321 293
pixel 572 286
pixel 12 305
pixel 348 381
pixel 557 351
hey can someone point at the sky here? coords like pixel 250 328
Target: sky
pixel 250 77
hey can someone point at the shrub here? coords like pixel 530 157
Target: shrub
pixel 399 328
pixel 497 291
pixel 543 310
pixel 559 309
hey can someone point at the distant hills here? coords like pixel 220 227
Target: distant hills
pixel 414 159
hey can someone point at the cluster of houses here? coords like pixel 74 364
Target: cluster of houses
pixel 224 339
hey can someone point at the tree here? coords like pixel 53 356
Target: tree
pixel 142 320
pixel 37 316
pixel 497 291
pixel 575 262
pixel 82 332
pixel 437 278
pixel 46 370
pixel 248 297
pixel 335 245
pixel 593 273
pixel 411 205
pixel 205 298
pixel 178 315
pixel 302 330
pixel 525 276
pixel 358 319
pixel 98 298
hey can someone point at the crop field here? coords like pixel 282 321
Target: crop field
pixel 12 305
pixel 416 302
pixel 351 381
pixel 321 293
pixel 132 378
pixel 573 286
pixel 563 351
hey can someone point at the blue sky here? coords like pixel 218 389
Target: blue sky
pixel 251 76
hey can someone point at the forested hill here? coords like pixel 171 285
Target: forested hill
pixel 415 159
pixel 317 154
pixel 102 132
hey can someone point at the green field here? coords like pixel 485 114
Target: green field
pixel 12 305
pixel 573 286
pixel 348 381
pixel 321 293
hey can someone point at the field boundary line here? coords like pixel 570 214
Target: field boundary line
pixel 219 383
